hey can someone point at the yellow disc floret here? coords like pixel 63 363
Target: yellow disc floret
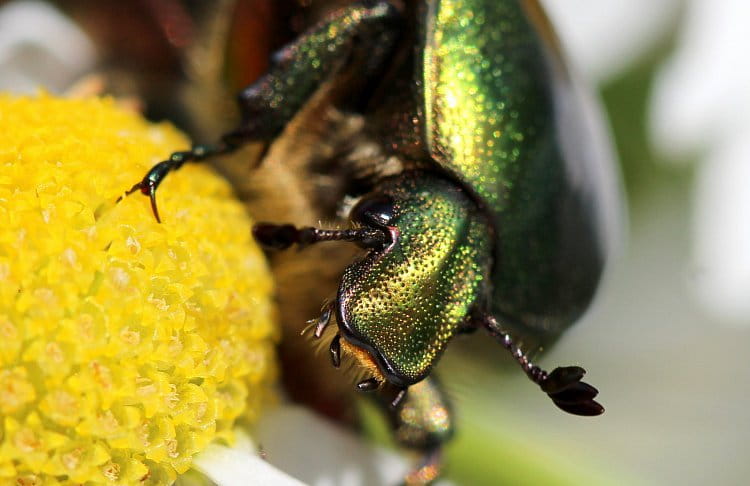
pixel 126 346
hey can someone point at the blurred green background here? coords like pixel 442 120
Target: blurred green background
pixel 673 380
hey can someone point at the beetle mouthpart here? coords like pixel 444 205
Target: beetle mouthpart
pixel 323 321
pixel 368 385
pixel 362 361
pixel 310 324
pixel 335 350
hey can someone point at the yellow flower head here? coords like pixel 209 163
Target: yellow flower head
pixel 126 346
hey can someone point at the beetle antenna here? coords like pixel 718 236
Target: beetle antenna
pixel 563 385
pixel 282 236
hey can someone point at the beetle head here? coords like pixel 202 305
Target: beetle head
pixel 416 287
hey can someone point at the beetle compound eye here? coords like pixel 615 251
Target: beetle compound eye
pixel 375 211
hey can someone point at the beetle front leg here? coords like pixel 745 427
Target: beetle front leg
pixel 563 385
pixel 351 45
pixel 150 182
pixel 422 421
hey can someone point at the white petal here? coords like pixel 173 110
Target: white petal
pixel 324 454
pixel 701 105
pixel 703 92
pixel 240 466
pixel 605 36
pixel 304 446
pixel 40 46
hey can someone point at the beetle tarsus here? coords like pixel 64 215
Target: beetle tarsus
pixel 563 385
pixel 323 320
pixel 150 182
pixel 368 385
pixel 147 187
pixel 427 471
pixel 335 351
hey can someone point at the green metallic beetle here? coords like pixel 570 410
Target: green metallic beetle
pixel 496 217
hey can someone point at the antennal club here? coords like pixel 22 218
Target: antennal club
pixel 563 385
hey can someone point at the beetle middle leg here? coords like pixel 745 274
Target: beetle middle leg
pixel 350 47
pixel 422 421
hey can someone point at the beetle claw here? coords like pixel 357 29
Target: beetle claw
pixel 154 209
pixel 147 188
